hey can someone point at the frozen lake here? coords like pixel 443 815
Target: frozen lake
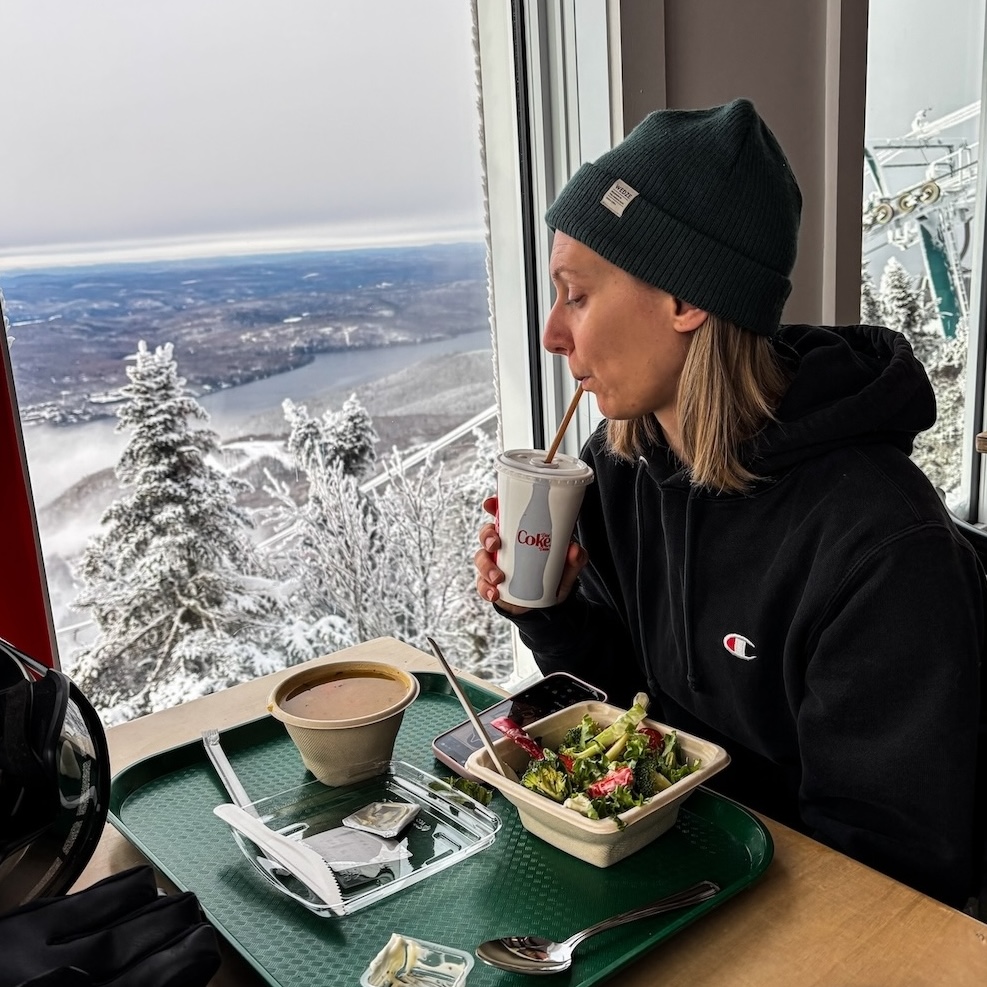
pixel 61 455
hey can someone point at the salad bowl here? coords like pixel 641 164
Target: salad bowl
pixel 601 842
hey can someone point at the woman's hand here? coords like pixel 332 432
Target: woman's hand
pixel 489 576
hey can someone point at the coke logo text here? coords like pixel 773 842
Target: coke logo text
pixel 542 540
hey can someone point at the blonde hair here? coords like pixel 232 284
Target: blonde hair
pixel 730 386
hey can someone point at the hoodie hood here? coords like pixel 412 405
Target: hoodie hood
pixel 852 385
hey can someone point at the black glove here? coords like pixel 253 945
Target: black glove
pixel 117 933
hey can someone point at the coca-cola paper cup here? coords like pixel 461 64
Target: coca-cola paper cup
pixel 537 504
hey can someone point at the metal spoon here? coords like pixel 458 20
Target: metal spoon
pixel 532 954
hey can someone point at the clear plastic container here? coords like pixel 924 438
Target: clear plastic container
pixel 448 828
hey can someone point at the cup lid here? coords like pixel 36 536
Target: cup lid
pixel 531 463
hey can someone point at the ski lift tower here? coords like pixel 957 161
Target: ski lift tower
pixel 925 195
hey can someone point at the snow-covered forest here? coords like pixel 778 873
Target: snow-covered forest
pixel 902 302
pixel 187 600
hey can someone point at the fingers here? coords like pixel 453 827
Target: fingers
pixel 188 960
pixel 490 575
pixel 106 930
pixel 100 905
pixel 485 560
pixel 148 930
pixel 575 560
pixel 489 539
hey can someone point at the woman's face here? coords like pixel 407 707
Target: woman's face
pixel 625 340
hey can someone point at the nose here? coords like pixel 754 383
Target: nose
pixel 556 337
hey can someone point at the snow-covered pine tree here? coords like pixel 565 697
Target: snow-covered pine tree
pixel 900 302
pixel 327 574
pixel 346 437
pixel 170 579
pixel 939 451
pixel 870 306
pixel 429 516
pixel 905 309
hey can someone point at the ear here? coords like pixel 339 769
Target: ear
pixel 688 317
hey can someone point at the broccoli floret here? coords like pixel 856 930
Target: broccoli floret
pixel 548 777
pixel 670 761
pixel 578 736
pixel 474 789
pixel 648 779
pixel 571 739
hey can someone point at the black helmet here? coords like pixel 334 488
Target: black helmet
pixel 54 780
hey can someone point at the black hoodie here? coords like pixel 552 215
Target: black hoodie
pixel 826 628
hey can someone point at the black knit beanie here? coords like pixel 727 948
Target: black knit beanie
pixel 700 203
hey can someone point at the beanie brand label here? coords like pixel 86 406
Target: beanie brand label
pixel 617 197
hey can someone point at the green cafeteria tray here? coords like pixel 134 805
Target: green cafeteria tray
pixel 519 884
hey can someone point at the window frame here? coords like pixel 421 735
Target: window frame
pixel 974 477
pixel 557 61
pixel 547 103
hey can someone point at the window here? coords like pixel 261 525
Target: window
pixel 923 214
pixel 294 205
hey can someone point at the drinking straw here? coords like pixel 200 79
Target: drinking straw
pixel 471 713
pixel 565 424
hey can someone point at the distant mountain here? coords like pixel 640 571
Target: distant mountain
pixel 231 320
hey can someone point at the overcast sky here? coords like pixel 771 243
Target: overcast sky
pixel 921 53
pixel 137 119
pixel 133 120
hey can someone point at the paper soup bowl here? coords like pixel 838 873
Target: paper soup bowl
pixel 344 716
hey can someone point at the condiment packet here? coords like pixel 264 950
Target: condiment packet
pixel 382 818
pixel 356 857
pixel 407 962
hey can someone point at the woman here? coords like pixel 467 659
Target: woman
pixel 758 553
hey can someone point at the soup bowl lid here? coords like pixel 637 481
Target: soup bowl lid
pixel 312 675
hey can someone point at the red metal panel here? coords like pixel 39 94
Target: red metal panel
pixel 25 615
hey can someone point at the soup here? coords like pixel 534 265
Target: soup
pixel 344 697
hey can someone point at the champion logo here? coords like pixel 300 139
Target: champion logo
pixel 739 646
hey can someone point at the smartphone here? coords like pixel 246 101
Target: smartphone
pixel 554 692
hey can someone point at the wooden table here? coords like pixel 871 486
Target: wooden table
pixel 814 918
